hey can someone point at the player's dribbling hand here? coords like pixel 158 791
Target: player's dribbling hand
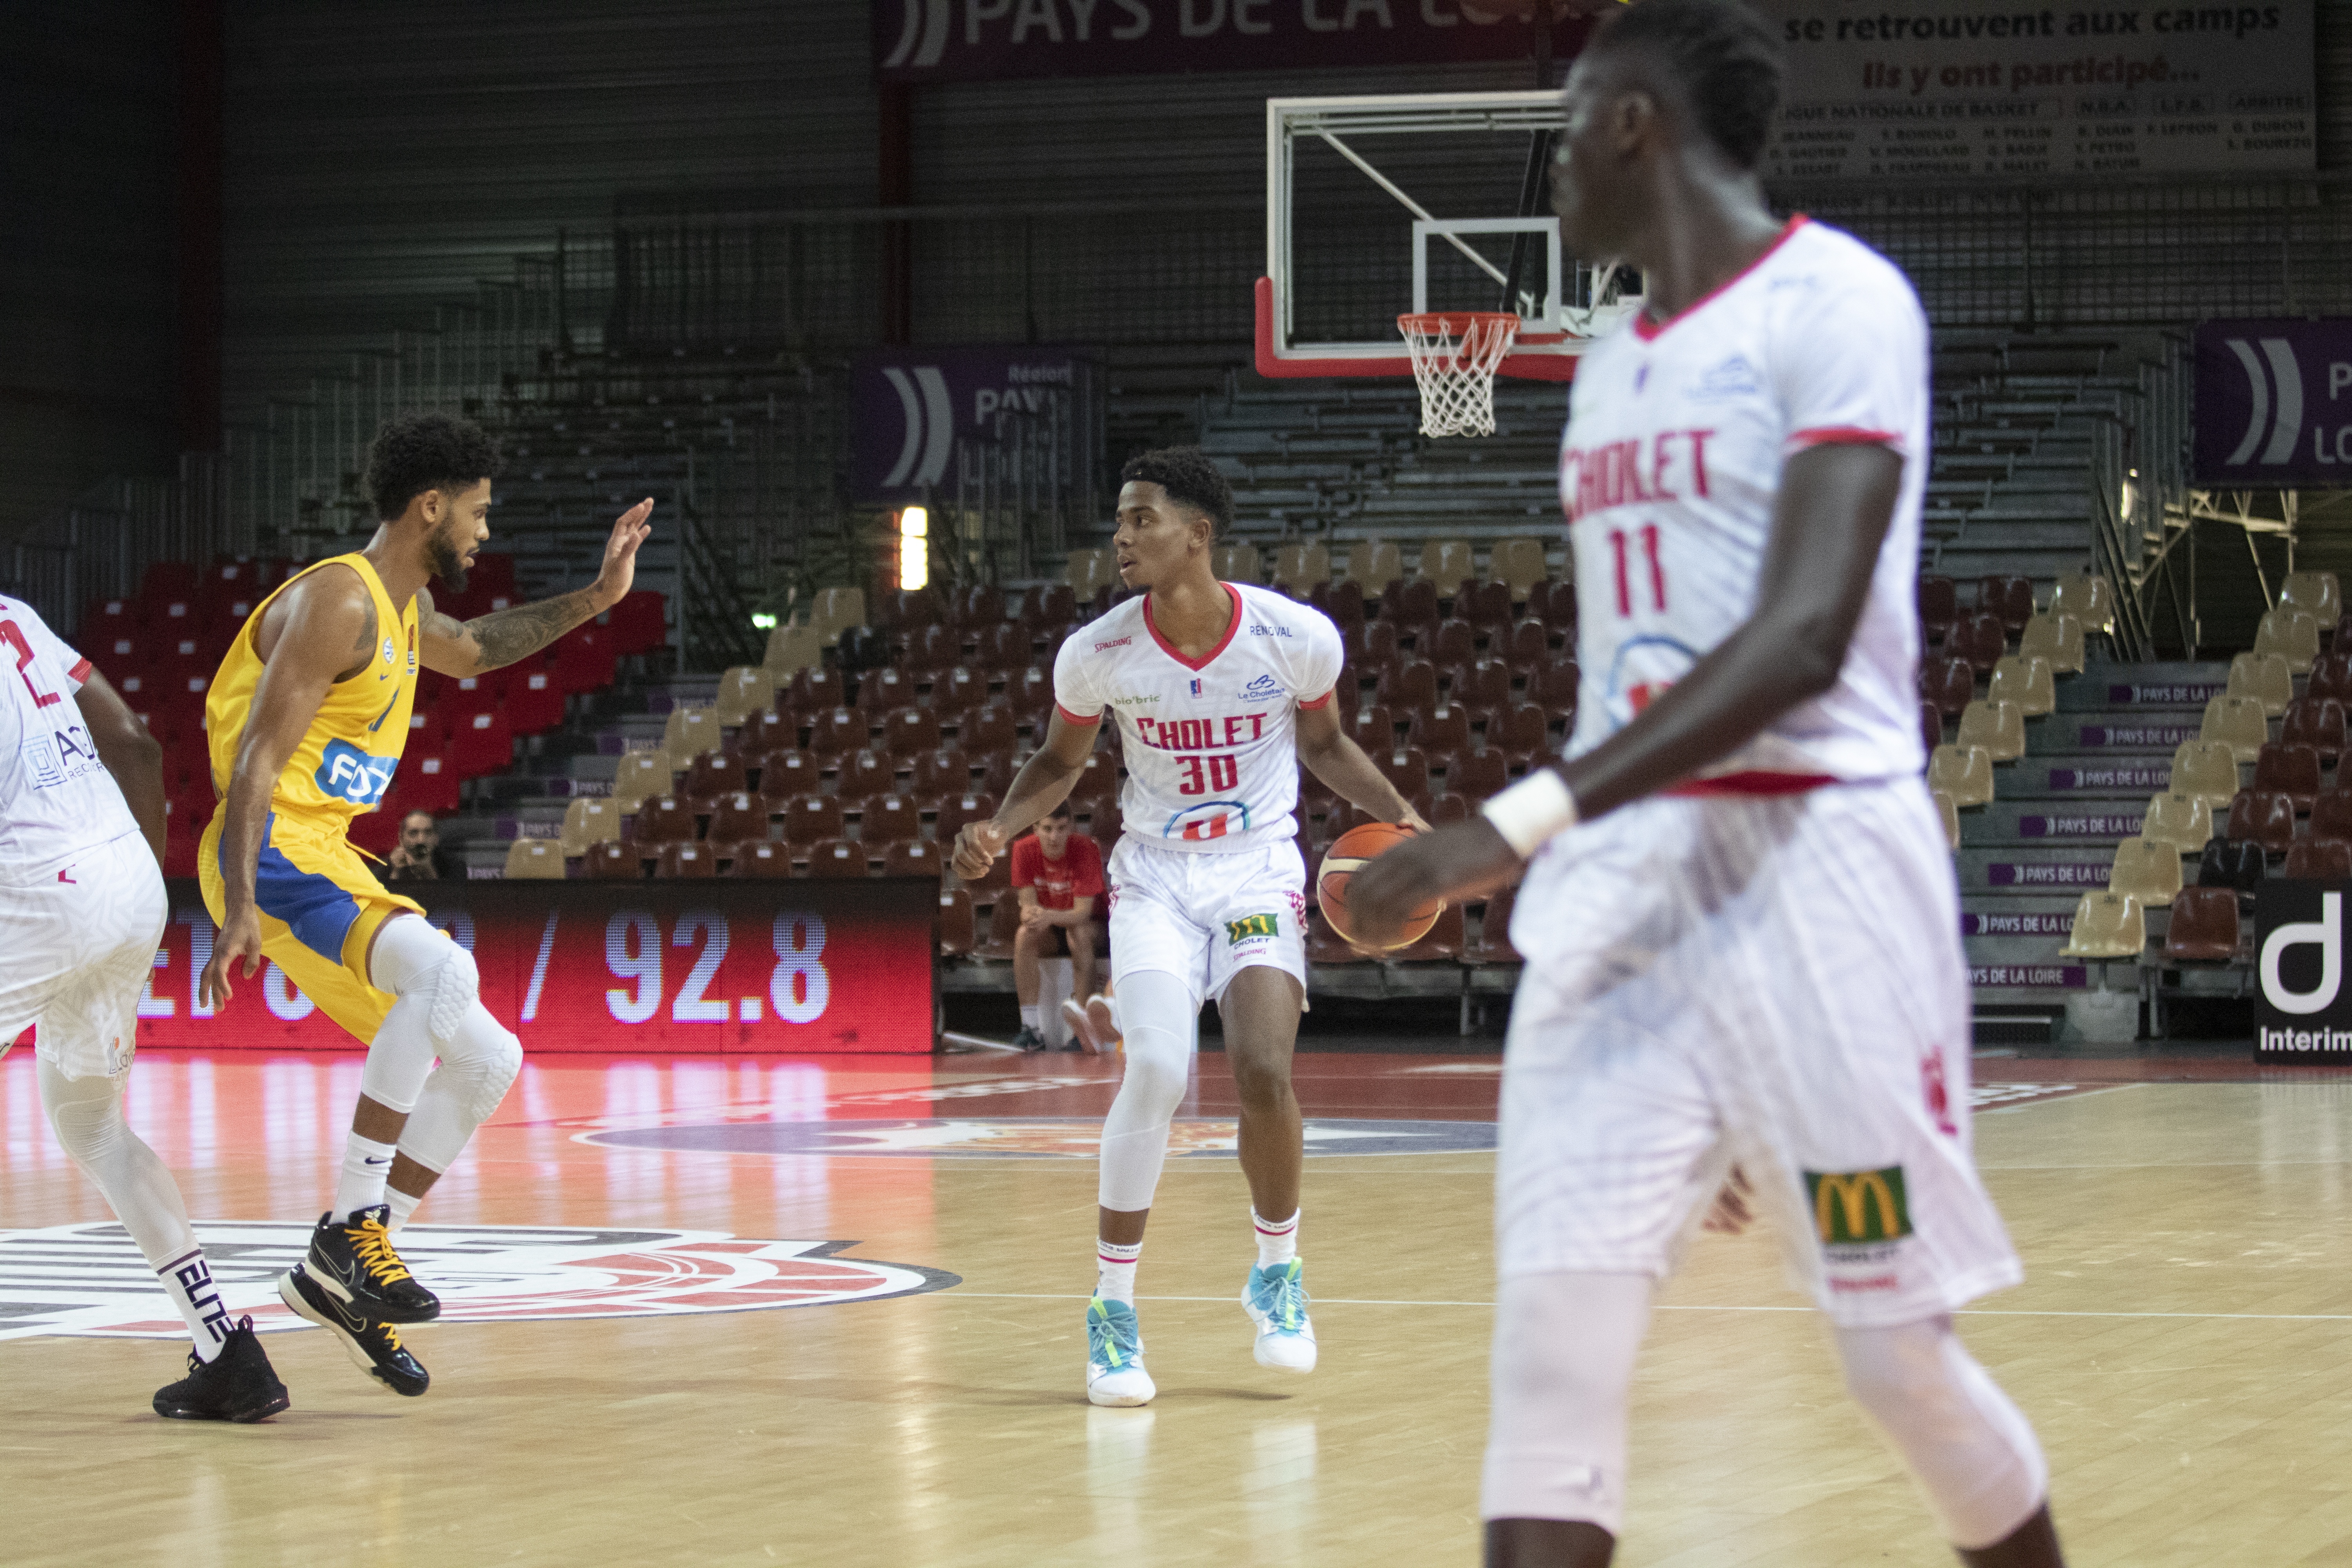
pixel 241 938
pixel 1438 863
pixel 977 845
pixel 1415 821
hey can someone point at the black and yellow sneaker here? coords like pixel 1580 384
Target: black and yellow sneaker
pixel 355 1264
pixel 374 1347
pixel 238 1385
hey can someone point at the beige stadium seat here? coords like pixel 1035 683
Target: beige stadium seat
pixel 837 610
pixel 2293 635
pixel 2107 925
pixel 2263 677
pixel 1301 566
pixel 1373 564
pixel 2315 592
pixel 641 773
pixel 535 859
pixel 2237 722
pixel 2089 599
pixel 791 649
pixel 1234 563
pixel 2056 637
pixel 2206 769
pixel 1950 813
pixel 589 820
pixel 2024 679
pixel 1997 727
pixel 1089 572
pixel 743 690
pixel 2183 820
pixel 1446 562
pixel 2146 871
pixel 1519 563
pixel 689 732
pixel 1964 776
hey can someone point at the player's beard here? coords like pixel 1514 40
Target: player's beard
pixel 448 564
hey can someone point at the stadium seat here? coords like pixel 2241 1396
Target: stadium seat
pixel 1372 727
pixel 2293 770
pixel 613 860
pixel 1410 685
pixel 1939 606
pixel 2089 599
pixel 1521 729
pixel 778 729
pixel 761 859
pixel 1445 728
pixel 1299 567
pixel 2319 860
pixel 815 690
pixel 1947 809
pixel 2024 678
pixel 1446 806
pixel 791 649
pixel 940 771
pixel 2263 816
pixel 2237 722
pixel 589 820
pixel 2293 635
pixel 2204 927
pixel 640 774
pixel 1493 942
pixel 1455 643
pixel 1476 775
pixel 744 689
pixel 1004 925
pixel 481 744
pixel 1324 945
pixel 1381 651
pixel 1526 646
pixel 836 859
pixel 2207 769
pixel 1485 605
pixel 1236 563
pixel 810 817
pixel 1949 683
pixel 2236 863
pixel 2316 592
pixel 1343 601
pixel 710 776
pixel 1962 773
pixel 880 690
pixel 887 819
pixel 907 608
pixel 1406 767
pixel 838 731
pixel 2331 814
pixel 582 660
pixel 960 690
pixel 534 702
pixel 1518 564
pixel 1487 685
pixel 1411 605
pixel 1978 638
pixel 1088 571
pixel 913 858
pixel 663 819
pixel 955 926
pixel 2331 676
pixel 639 622
pixel 429 783
pixel 2008 596
pixel 687 859
pixel 2264 677
pixel 785 772
pixel 1373 564
pixel 1445 564
pixel 2147 871
pixel 2316 723
pixel 2059 639
pixel 1997 727
pixel 2183 821
pixel 985 731
pixel 955 810
pixel 910 731
pixel 2107 925
pixel 868 772
pixel 738 818
pixel 688 732
pixel 835 611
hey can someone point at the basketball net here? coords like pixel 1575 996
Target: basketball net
pixel 1456 374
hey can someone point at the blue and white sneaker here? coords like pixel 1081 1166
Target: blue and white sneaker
pixel 1276 1299
pixel 1115 1373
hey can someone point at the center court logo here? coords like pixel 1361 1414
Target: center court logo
pixel 90 1279
pixel 1855 1208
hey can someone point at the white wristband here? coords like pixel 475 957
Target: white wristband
pixel 1531 811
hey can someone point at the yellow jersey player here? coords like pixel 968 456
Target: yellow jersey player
pixel 307 719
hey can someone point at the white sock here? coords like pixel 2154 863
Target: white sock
pixel 366 1163
pixel 403 1205
pixel 1275 1243
pixel 1033 1014
pixel 1114 1271
pixel 188 1280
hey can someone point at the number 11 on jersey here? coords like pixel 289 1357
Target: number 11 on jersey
pixel 1617 547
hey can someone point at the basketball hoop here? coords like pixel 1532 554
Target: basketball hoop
pixel 1456 374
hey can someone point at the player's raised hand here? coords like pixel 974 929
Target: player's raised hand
pixel 1438 863
pixel 241 938
pixel 620 570
pixel 977 845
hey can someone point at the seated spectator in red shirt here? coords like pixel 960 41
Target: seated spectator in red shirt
pixel 1057 875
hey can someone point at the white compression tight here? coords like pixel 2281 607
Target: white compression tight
pixel 1563 1366
pixel 1160 1015
pixel 87 1113
pixel 437 1013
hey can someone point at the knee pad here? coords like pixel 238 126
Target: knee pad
pixel 413 959
pixel 1562 1372
pixel 1970 1449
pixel 86 1114
pixel 488 1056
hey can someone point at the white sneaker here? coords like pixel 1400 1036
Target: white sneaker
pixel 1115 1373
pixel 1276 1299
pixel 1093 1022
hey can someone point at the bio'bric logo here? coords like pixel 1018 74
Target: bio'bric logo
pixel 2326 933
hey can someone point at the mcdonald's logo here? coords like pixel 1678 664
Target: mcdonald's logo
pixel 1853 1207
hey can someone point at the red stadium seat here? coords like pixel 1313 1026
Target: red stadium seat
pixel 1411 604
pixel 940 771
pixel 1528 644
pixel 1475 775
pixel 738 819
pixel 1053 605
pixel 1980 637
pixel 1445 728
pixel 638 623
pixel 935 647
pixel 429 783
pixel 1373 728
pixel 980 604
pixel 955 810
pixel 913 858
pixel 493 573
pixel 956 935
pixel 712 775
pixel 910 731
pixel 2331 814
pixel 481 744
pixel 1493 943
pixel 2203 928
pixel 887 819
pixel 2331 676
pixel 816 690
pixel 583 659
pixel 784 773
pixel 1487 606
pixel 613 860
pixel 910 609
pixel 984 731
pixel 880 690
pixel 168 580
pixel 838 731
pixel 761 858
pixel 688 859
pixel 534 702
pixel 1406 767
pixel 1004 644
pixel 2319 860
pixel 836 859
pixel 1519 729
pixel 1410 685
pixel 663 819
pixel 773 730
pixel 2292 770
pixel 2316 723
pixel 1940 606
pixel 1455 642
pixel 2263 817
pixel 2009 596
pixel 1343 601
pixel 1949 683
pixel 868 772
pixel 810 817
pixel 957 690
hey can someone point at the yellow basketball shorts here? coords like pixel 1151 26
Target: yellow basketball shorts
pixel 321 909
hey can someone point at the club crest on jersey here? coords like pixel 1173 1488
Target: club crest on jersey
pixel 1251 926
pixel 390 650
pixel 1210 819
pixel 1264 689
pixel 351 775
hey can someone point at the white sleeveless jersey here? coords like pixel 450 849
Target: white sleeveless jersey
pixel 1669 470
pixel 56 799
pixel 1210 744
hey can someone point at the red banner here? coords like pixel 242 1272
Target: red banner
pixel 753 966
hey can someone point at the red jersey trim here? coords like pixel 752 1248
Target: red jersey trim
pixel 1322 701
pixel 1079 719
pixel 1231 627
pixel 1648 330
pixel 1753 783
pixel 1846 435
pixel 78 673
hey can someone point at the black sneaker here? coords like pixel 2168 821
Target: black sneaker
pixel 355 1264
pixel 1028 1039
pixel 374 1348
pixel 238 1385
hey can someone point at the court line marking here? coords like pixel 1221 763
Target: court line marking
pixel 1964 1312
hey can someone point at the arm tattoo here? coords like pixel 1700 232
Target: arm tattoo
pixel 506 635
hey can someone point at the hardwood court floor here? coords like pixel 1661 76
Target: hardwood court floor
pixel 2184 1342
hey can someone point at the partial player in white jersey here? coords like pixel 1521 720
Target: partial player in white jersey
pixel 1738 916
pixel 81 913
pixel 1220 690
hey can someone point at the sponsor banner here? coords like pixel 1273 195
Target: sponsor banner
pixel 2152 776
pixel 970 40
pixel 89 1280
pixel 2028 977
pixel 909 407
pixel 2058 925
pixel 1942 89
pixel 2302 1011
pixel 2173 694
pixel 2273 403
pixel 791 966
pixel 1031 1137
pixel 2135 736
pixel 2101 827
pixel 2061 874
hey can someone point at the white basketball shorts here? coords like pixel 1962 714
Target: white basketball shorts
pixel 78 950
pixel 1205 917
pixel 1772 981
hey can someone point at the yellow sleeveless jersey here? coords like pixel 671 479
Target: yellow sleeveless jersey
pixel 346 760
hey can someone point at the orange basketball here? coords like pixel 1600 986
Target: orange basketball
pixel 1341 862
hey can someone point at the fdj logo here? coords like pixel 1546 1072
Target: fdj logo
pixel 1853 1207
pixel 351 775
pixel 1248 926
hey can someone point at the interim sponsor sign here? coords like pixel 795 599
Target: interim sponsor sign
pixel 1994 88
pixel 2274 402
pixel 2302 1012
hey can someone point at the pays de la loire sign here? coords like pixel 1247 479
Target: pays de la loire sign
pixel 2303 1009
pixel 2274 402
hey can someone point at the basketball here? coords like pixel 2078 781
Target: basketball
pixel 1344 859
